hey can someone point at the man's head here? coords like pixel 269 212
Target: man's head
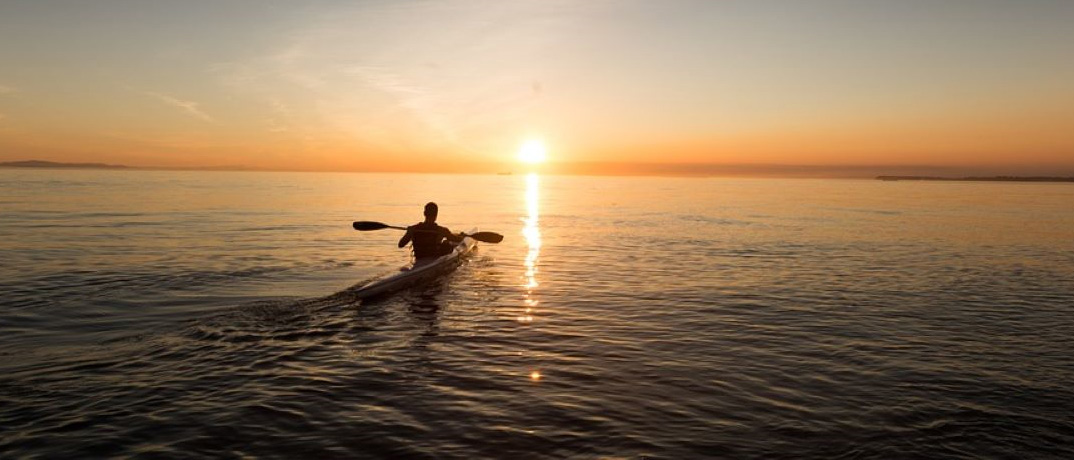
pixel 431 210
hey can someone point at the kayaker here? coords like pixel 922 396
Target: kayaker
pixel 430 239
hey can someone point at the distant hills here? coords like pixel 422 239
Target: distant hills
pixel 59 165
pixel 53 164
pixel 982 179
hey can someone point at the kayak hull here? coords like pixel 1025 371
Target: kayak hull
pixel 419 272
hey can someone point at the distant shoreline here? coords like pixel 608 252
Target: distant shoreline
pixel 592 169
pixel 979 179
pixel 53 164
pixel 39 164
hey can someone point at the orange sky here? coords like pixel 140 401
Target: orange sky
pixel 460 85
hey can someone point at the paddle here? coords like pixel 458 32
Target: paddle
pixel 365 226
pixel 484 237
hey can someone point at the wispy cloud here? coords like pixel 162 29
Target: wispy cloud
pixel 417 100
pixel 190 107
pixel 269 81
pixel 348 72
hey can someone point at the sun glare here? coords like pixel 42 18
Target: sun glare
pixel 532 152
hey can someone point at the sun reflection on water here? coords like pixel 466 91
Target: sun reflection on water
pixel 532 232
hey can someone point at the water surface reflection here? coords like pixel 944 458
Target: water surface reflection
pixel 532 232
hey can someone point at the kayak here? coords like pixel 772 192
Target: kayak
pixel 419 272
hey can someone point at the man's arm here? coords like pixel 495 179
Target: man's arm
pixel 406 237
pixel 452 237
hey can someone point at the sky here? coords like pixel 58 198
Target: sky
pixel 606 86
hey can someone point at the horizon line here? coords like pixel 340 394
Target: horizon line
pixel 628 169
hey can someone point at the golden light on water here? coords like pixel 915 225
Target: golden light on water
pixel 532 233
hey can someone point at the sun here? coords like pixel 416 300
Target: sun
pixel 532 152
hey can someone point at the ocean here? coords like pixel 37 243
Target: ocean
pixel 164 314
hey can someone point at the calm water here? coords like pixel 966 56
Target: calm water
pixel 189 314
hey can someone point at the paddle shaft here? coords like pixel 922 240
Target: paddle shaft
pixel 486 237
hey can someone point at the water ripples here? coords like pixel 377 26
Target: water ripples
pixel 745 325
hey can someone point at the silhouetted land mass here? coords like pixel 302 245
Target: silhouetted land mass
pixel 982 179
pixel 58 165
pixel 53 164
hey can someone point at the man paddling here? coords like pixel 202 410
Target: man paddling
pixel 430 240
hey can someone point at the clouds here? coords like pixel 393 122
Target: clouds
pixel 443 77
pixel 310 83
pixel 428 82
pixel 188 107
pixel 416 100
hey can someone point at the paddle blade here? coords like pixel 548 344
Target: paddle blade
pixel 366 226
pixel 487 237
